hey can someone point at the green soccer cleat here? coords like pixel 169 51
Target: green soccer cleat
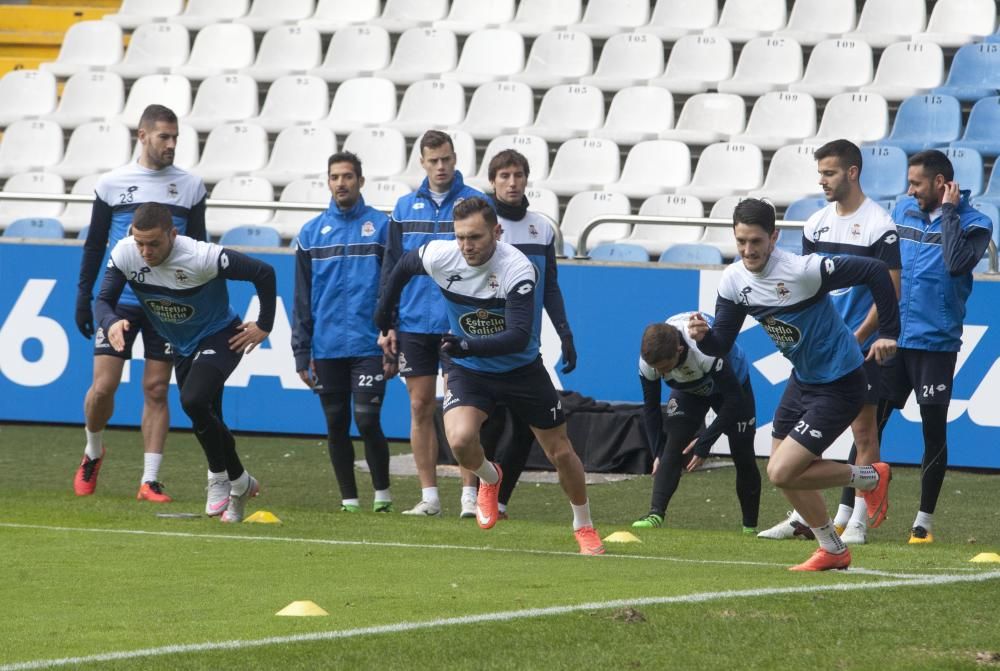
pixel 382 507
pixel 650 521
pixel 349 508
pixel 749 531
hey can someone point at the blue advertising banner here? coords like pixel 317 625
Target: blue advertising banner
pixel 46 365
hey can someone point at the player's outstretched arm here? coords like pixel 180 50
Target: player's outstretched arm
pixel 840 272
pixel 90 264
pixel 717 340
pixel 652 414
pixel 520 311
pixel 238 266
pixel 409 265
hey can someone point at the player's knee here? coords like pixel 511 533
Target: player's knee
pixel 195 406
pixel 422 409
pixel 155 392
pixel 366 416
pixel 779 473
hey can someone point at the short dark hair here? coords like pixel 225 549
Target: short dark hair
pixel 433 139
pixel 154 113
pixel 659 342
pixel 934 163
pixel 346 157
pixel 755 212
pixel 475 205
pixel 845 151
pixel 152 215
pixel 506 159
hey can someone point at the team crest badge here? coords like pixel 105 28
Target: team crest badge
pixel 782 291
pixel 672 407
pixel 532 231
pixel 180 275
pixel 172 190
pixel 492 282
pixel 856 230
pixel 368 228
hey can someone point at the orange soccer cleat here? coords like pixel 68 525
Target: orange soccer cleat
pixel 487 505
pixel 877 500
pixel 821 560
pixel 151 490
pixel 590 543
pixel 85 481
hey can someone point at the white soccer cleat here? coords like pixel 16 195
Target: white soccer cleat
pixel 468 507
pixel 856 533
pixel 787 529
pixel 218 496
pixel 424 509
pixel 238 503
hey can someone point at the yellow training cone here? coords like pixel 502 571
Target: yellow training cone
pixel 263 517
pixel 984 557
pixel 301 609
pixel 622 537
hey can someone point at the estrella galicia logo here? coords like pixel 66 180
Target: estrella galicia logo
pixel 452 279
pixel 482 323
pixel 818 233
pixel 784 335
pixel 169 312
pixel 744 297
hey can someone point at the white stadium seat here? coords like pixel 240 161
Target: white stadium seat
pixel 76 216
pixel 628 59
pixel 89 96
pixel 744 20
pixel 25 94
pixel 30 145
pixel 674 19
pixel 725 169
pixel 534 148
pixel 186 153
pixel 696 64
pixel 97 146
pixel 218 49
pixel 583 207
pixel 813 21
pixel 154 48
pixel 218 219
pixel 200 13
pixel 222 99
pixel 858 117
pixel 766 64
pixel 290 222
pixel 31 182
pixel 383 193
pixel 355 52
pixel 654 167
pixel 498 108
pixel 721 237
pixel 266 14
pixel 286 50
pixel 362 102
pixel 294 99
pixel 657 238
pixel 883 22
pixel 422 53
pixel 135 13
pixel 707 118
pixel 333 15
pixel 299 152
pixel 836 66
pixel 401 15
pixel 431 103
pixel 232 149
pixel 535 17
pixel 489 55
pixel 543 200
pixel 583 164
pixel 173 91
pixel 779 118
pixel 468 16
pixel 382 151
pixel 637 113
pixel 87 45
pixel 557 57
pixel 604 18
pixel 465 159
pixel 957 22
pixel 907 69
pixel 566 111
pixel 791 175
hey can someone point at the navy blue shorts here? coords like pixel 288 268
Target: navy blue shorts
pixel 357 375
pixel 527 391
pixel 154 345
pixel 816 414
pixel 212 351
pixel 420 354
pixel 928 374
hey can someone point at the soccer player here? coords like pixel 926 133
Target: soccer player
pixel 337 268
pixel 941 239
pixel 532 234
pixel 788 295
pixel 415 339
pixel 698 383
pixel 488 288
pixel 151 178
pixel 181 285
pixel 850 224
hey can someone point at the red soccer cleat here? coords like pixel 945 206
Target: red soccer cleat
pixel 589 541
pixel 85 481
pixel 487 505
pixel 877 500
pixel 152 490
pixel 821 560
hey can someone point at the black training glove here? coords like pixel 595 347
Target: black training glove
pixel 568 354
pixel 84 316
pixel 454 346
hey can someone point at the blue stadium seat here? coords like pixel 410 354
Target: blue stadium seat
pixel 968 164
pixel 693 253
pixel 34 228
pixel 927 121
pixel 569 250
pixel 82 234
pixel 883 173
pixel 974 74
pixel 981 131
pixel 790 240
pixel 799 210
pixel 251 236
pixel 619 251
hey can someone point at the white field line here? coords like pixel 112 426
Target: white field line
pixel 503 616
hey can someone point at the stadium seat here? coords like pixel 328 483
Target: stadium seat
pixel 134 13
pixel 173 91
pixel 335 15
pixel 766 64
pixel 569 250
pixel 656 238
pixel 219 48
pixel 567 111
pixel 223 99
pixel 696 64
pixel 286 50
pixel 627 59
pixel 498 108
pixel 791 175
pixel 707 118
pixel 266 14
pixel 534 148
pixel 789 240
pixel 294 99
pixel 355 52
pixel 299 152
pixel 34 228
pixel 535 17
pixel 674 19
pixel 637 113
pixel 557 57
pixel 926 121
pixel 383 193
pixel 992 194
pixel 744 20
pixel 97 146
pixel 836 66
pixel 542 200
pixel 692 254
pixel 583 164
pixel 604 18
pixel 883 22
pixel 200 13
pixel 422 53
pixel 803 208
pixel 154 48
pixel 968 165
pixel 721 237
pixel 87 45
pixel 858 117
pixel 382 151
pixel 76 216
pixel 187 152
pixel 219 219
pixel 813 21
pixel 26 94
pixel 981 130
pixel 779 118
pixel 653 167
pixel 957 22
pixel 883 172
pixel 302 191
pixel 724 169
pixel 467 16
pixel 30 145
pixel 431 103
pixel 465 158
pixel 401 15
pixel 583 207
pixel 907 69
pixel 619 251
pixel 361 102
pixel 31 182
pixel 251 236
pixel 489 55
pixel 89 96
pixel 232 149
pixel 974 73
